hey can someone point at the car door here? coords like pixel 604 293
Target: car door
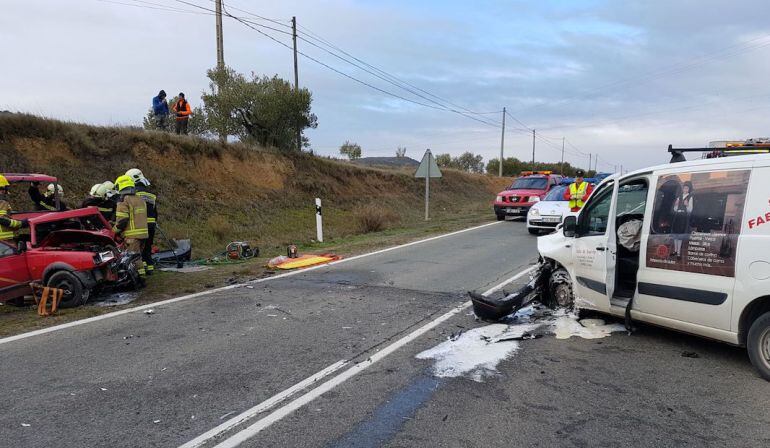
pixel 14 275
pixel 593 250
pixel 689 252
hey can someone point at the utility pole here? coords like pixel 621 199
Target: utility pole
pixel 621 170
pixel 596 163
pixel 220 40
pixel 533 149
pixel 296 75
pixel 561 165
pixel 590 159
pixel 502 145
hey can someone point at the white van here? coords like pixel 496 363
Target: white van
pixel 699 263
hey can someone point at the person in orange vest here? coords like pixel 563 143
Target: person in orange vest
pixel 578 192
pixel 182 110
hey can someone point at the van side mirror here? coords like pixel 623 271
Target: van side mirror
pixel 570 225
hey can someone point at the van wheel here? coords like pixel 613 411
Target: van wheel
pixel 758 344
pixel 73 290
pixel 560 289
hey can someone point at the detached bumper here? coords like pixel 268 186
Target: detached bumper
pixel 512 209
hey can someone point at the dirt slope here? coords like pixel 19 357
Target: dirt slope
pixel 216 192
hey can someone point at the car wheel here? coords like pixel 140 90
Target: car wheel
pixel 500 217
pixel 560 292
pixel 533 231
pixel 758 345
pixel 74 294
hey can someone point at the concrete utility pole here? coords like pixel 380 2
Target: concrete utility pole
pixel 502 145
pixel 561 165
pixel 296 75
pixel 596 163
pixel 533 149
pixel 590 159
pixel 220 40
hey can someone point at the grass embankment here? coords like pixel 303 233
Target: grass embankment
pixel 214 193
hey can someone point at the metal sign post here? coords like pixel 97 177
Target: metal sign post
pixel 427 169
pixel 319 231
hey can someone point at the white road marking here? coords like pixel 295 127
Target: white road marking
pixel 225 288
pixel 264 406
pixel 265 422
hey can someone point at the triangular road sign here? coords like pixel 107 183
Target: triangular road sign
pixel 428 165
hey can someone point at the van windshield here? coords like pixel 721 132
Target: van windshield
pixel 529 183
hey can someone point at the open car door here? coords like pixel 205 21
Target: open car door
pixel 594 250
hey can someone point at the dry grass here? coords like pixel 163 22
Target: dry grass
pixel 373 218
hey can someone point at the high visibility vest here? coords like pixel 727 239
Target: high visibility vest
pixel 8 232
pixel 577 194
pixel 131 216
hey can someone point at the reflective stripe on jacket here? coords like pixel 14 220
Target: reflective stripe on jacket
pixel 131 218
pixel 151 200
pixel 8 225
pixel 577 194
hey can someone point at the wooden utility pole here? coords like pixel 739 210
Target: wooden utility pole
pixel 296 76
pixel 561 166
pixel 220 39
pixel 533 149
pixel 502 145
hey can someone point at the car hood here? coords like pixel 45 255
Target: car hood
pixel 558 208
pixel 521 192
pixel 68 237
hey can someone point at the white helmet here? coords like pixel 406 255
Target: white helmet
pixel 136 175
pixel 93 189
pixel 106 190
pixel 58 188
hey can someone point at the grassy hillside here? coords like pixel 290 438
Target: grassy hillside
pixel 214 193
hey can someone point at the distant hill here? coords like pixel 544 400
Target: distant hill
pixel 390 162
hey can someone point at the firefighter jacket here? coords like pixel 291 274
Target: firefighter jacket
pixel 131 218
pixel 43 202
pixel 151 200
pixel 106 206
pixel 8 225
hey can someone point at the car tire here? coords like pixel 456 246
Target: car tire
pixel 500 217
pixel 533 231
pixel 74 292
pixel 758 345
pixel 560 294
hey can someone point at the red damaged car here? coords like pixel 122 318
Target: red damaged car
pixel 528 188
pixel 74 250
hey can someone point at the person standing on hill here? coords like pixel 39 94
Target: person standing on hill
pixel 183 112
pixel 160 110
pixel 578 192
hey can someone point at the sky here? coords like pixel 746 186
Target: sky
pixel 617 79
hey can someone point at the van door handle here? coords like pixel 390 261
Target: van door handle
pixel 601 248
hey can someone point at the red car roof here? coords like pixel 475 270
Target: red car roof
pixel 67 214
pixel 29 177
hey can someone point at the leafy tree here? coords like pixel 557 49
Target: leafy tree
pixel 467 161
pixel 401 151
pixel 444 160
pixel 351 150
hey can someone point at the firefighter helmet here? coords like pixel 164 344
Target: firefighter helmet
pixel 124 182
pixel 3 182
pixel 136 175
pixel 55 187
pixel 94 189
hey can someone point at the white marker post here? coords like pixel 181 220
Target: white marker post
pixel 319 230
pixel 427 169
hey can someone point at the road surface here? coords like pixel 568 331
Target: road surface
pixel 329 355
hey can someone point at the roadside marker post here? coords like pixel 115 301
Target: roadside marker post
pixel 427 169
pixel 319 230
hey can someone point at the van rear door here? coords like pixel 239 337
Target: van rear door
pixel 689 244
pixel 593 250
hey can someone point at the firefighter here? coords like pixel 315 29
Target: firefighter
pixel 98 198
pixel 131 219
pixel 578 192
pixel 151 199
pixel 8 225
pixel 47 200
pixel 182 111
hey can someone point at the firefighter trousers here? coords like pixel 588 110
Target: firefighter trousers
pixel 136 246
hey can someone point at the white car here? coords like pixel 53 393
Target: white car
pixel 545 215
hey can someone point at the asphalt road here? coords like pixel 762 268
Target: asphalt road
pixel 164 379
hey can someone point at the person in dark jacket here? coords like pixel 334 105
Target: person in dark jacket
pixel 681 225
pixel 47 201
pixel 99 198
pixel 160 110
pixel 142 185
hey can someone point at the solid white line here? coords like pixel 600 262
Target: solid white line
pixel 263 423
pixel 225 288
pixel 264 406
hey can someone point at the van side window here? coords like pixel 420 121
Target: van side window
pixel 595 215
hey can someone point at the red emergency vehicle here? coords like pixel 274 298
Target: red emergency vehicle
pixel 530 187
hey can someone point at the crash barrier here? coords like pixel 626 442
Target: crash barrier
pixel 45 292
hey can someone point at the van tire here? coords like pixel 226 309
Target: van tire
pixel 74 294
pixel 758 345
pixel 560 294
